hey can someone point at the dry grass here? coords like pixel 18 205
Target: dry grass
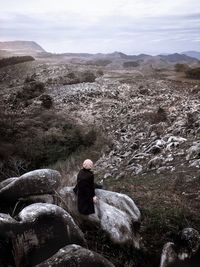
pixel 166 204
pixel 72 164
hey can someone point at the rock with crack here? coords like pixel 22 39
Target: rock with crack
pixel 116 214
pixel 37 182
pixel 156 162
pixel 181 252
pixel 194 151
pixel 76 256
pixel 174 141
pixel 155 147
pixel 38 232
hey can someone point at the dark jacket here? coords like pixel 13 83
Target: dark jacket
pixel 85 191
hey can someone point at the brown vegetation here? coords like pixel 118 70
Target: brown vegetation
pixel 155 117
pixel 193 73
pixel 130 64
pixel 181 67
pixel 41 138
pixel 14 60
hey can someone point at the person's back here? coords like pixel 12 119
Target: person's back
pixel 85 189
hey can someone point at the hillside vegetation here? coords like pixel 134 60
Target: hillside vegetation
pixel 14 60
pixel 141 128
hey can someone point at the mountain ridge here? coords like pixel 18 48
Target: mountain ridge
pixel 192 53
pixel 21 47
pixel 119 58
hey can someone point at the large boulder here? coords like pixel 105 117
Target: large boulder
pixel 182 251
pixel 76 256
pixel 38 232
pixel 37 182
pixel 116 214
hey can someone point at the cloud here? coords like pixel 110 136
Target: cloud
pixel 103 26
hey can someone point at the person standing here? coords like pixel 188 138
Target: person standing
pixel 85 189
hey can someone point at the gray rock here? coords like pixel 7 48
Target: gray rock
pixel 195 163
pixel 191 242
pixel 193 151
pixel 169 255
pixel 174 141
pixel 38 232
pixel 155 147
pixel 116 214
pixel 187 246
pixel 156 162
pixel 76 256
pixel 7 181
pixel 135 168
pixel 45 198
pixel 44 181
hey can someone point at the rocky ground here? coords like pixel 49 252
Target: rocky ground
pixel 151 125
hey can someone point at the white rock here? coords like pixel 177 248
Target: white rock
pixel 42 181
pixel 115 213
pixel 193 151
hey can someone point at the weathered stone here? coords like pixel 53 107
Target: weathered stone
pixel 76 256
pixel 44 181
pixel 174 141
pixel 169 254
pixel 115 213
pixel 193 151
pixel 185 247
pixel 155 147
pixel 156 162
pixel 38 232
pixel 7 181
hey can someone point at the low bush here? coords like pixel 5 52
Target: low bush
pixel 30 141
pixel 99 62
pixel 193 73
pixel 181 67
pixel 29 91
pixel 87 76
pixel 14 60
pixel 131 64
pixel 155 117
pixel 47 101
pixel 77 77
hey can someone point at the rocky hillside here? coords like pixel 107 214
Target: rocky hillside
pixel 151 129
pixel 111 61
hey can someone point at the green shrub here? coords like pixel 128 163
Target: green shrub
pixel 88 76
pixel 30 141
pixel 99 62
pixel 100 72
pixel 193 73
pixel 155 117
pixel 14 60
pixel 47 101
pixel 181 67
pixel 30 90
pixel 131 64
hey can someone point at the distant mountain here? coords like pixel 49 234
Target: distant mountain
pixel 115 60
pixel 122 56
pixel 174 58
pixel 194 54
pixel 21 47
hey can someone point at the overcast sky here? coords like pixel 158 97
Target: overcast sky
pixel 129 26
